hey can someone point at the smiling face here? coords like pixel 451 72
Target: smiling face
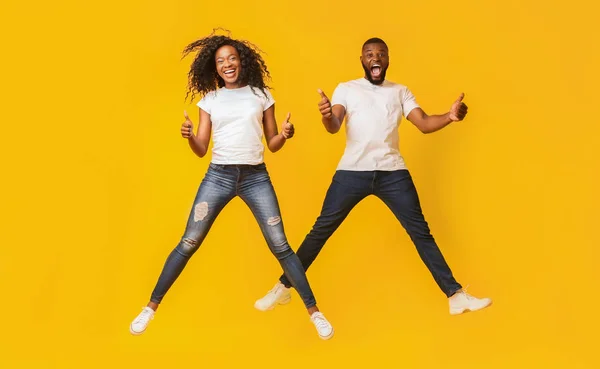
pixel 227 61
pixel 375 61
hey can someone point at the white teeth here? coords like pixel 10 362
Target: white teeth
pixel 229 71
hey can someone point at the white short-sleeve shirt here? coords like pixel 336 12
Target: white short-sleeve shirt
pixel 373 114
pixel 237 124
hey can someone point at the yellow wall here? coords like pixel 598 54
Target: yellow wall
pixel 97 184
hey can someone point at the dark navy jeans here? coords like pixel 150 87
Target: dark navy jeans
pixel 397 190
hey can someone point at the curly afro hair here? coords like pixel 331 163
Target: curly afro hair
pixel 203 76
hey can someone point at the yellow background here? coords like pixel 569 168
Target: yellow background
pixel 97 185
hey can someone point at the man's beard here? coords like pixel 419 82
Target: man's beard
pixel 370 79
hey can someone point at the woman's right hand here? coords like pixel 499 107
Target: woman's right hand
pixel 187 128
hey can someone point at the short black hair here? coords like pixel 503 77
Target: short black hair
pixel 374 40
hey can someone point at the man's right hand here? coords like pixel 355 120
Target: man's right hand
pixel 324 105
pixel 187 128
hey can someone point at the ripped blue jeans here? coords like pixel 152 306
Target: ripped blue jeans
pixel 220 185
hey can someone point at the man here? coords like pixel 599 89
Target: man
pixel 372 165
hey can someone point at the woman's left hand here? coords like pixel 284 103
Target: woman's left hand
pixel 287 129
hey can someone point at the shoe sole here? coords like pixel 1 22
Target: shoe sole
pixel 329 336
pixel 282 302
pixel 134 332
pixel 462 311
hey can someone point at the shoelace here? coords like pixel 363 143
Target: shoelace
pixel 144 316
pixel 464 292
pixel 275 289
pixel 320 321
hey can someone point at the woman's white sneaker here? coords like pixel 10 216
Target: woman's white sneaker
pixel 323 326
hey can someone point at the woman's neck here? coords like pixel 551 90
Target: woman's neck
pixel 233 86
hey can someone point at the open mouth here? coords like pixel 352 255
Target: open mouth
pixel 376 70
pixel 229 72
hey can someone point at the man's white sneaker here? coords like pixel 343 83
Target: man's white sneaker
pixel 277 295
pixel 139 324
pixel 462 302
pixel 324 328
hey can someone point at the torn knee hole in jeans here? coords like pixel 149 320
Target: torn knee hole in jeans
pixel 187 247
pixel 200 211
pixel 189 242
pixel 272 221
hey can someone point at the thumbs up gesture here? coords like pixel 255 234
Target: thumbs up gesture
pixel 187 128
pixel 458 109
pixel 324 105
pixel 287 128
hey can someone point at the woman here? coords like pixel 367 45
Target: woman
pixel 236 107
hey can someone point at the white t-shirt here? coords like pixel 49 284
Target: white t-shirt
pixel 373 114
pixel 237 124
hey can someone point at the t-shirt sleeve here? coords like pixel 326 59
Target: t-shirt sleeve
pixel 408 102
pixel 339 96
pixel 268 100
pixel 206 102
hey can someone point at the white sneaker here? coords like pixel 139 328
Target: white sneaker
pixel 277 295
pixel 462 302
pixel 324 328
pixel 139 324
